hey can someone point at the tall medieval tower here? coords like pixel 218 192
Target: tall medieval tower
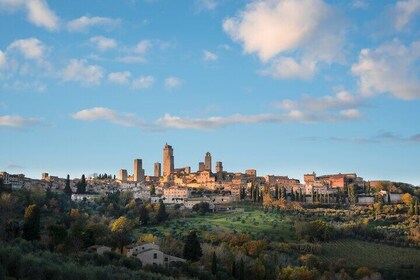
pixel 207 162
pixel 168 160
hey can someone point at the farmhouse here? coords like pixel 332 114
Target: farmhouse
pixel 149 253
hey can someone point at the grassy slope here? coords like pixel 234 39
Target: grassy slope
pixel 360 253
pixel 256 223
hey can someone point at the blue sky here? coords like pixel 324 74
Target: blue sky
pixel 285 87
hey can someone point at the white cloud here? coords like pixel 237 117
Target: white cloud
pixel 391 68
pixel 169 121
pixel 143 82
pixel 121 78
pixel 83 23
pixel 37 11
pixel 131 59
pixel 342 100
pixel 30 48
pixel 172 82
pixel 351 114
pixel 40 14
pixel 2 59
pixel 282 32
pixel 288 67
pixel 405 11
pixel 101 113
pixel 103 43
pixel 360 4
pixel 17 121
pixel 143 46
pixel 205 5
pixel 292 116
pixel 80 71
pixel 209 56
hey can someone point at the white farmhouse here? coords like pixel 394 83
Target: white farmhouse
pixel 150 254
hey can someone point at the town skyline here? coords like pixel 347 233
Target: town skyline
pixel 208 162
pixel 87 87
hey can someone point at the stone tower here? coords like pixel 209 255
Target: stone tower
pixel 123 175
pixel 207 162
pixel 168 160
pixel 219 166
pixel 138 170
pixel 157 169
pixel 200 166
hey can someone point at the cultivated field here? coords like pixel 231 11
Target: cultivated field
pixel 360 253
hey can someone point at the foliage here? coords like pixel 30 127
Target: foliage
pixel 143 215
pixel 202 208
pixel 31 226
pixel 81 185
pixel 192 248
pixel 161 214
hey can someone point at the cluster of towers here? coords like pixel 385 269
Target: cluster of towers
pixel 168 166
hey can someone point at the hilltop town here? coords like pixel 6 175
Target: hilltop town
pixel 209 224
pixel 217 186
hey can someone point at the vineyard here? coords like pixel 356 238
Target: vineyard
pixel 360 253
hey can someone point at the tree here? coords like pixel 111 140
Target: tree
pixel 388 193
pixel 152 190
pixel 214 264
pixel 284 193
pixel 67 189
pixel 233 270
pixel 121 228
pixel 202 208
pixel 144 215
pixel 81 186
pixel 57 234
pixel 192 248
pixel 406 198
pixel 161 214
pixel 276 192
pixel 352 193
pixel 241 270
pixel 32 222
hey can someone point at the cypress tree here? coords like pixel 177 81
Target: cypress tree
pixel 192 248
pixel 161 214
pixel 152 190
pixel 233 269
pixel 389 196
pixel 214 264
pixel 81 186
pixel 241 270
pixel 276 193
pixel 67 189
pixel 144 215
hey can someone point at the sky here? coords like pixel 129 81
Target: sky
pixel 286 87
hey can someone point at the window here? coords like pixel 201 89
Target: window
pixel 155 255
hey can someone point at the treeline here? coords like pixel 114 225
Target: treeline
pixel 30 260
